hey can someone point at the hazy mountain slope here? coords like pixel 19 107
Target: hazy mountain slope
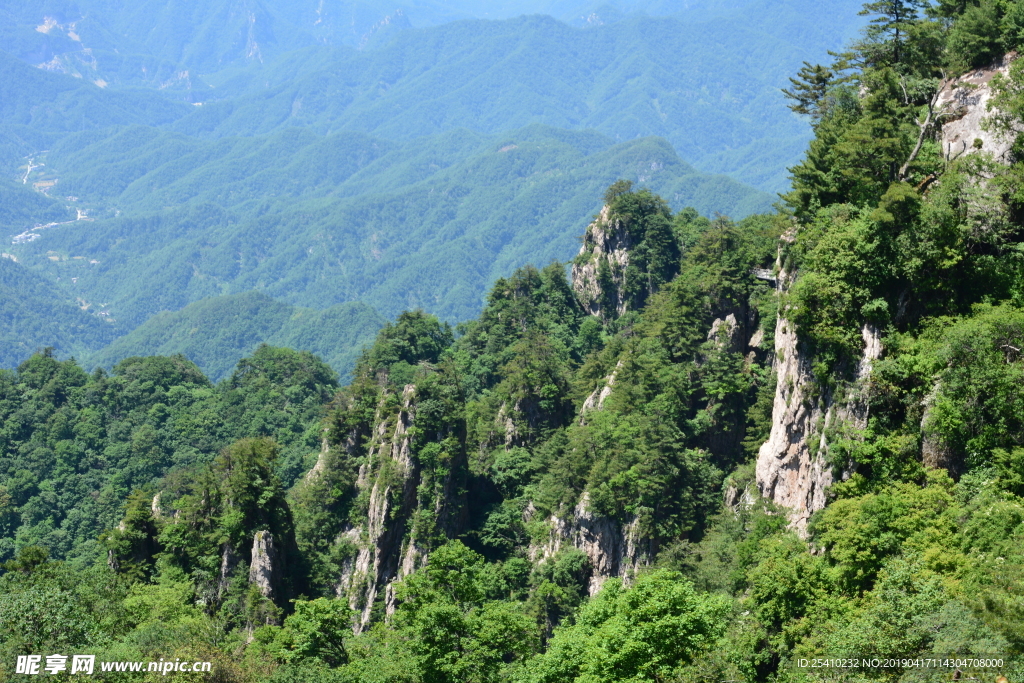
pixel 21 208
pixel 57 103
pixel 35 314
pixel 216 333
pixel 428 224
pixel 705 75
pixel 147 169
pixel 163 44
pixel 142 169
pixel 154 42
pixel 710 87
pixel 37 108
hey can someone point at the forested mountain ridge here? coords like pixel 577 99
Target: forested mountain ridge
pixel 34 308
pixel 314 149
pixel 218 332
pixel 710 86
pixel 658 75
pixel 316 221
pixel 718 449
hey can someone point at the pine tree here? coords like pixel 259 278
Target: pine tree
pixel 893 20
pixel 809 90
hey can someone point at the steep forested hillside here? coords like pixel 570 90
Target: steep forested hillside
pixel 216 333
pixel 21 208
pixel 316 221
pixel 31 308
pixel 711 451
pixel 76 445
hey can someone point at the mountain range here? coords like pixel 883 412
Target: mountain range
pixel 173 154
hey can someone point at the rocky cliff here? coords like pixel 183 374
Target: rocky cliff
pixel 263 569
pixel 962 107
pixel 793 466
pixel 398 485
pixel 598 273
pixel 614 549
pixel 794 469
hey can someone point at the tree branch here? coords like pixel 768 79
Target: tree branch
pixel 929 119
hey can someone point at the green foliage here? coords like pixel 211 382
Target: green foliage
pixel 132 547
pixel 861 533
pixel 453 633
pixel 314 632
pixel 413 338
pixel 637 634
pixel 809 90
pixel 978 404
pixel 216 333
pixel 21 208
pixel 886 36
pixel 212 538
pixel 76 445
pixel 654 254
pixel 35 315
pixel 983 31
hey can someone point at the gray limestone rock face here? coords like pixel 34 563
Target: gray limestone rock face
pixel 262 569
pixel 596 399
pixel 793 468
pixel 727 331
pixel 963 103
pixel 321 460
pixel 387 547
pixel 788 473
pixel 614 549
pixel 392 497
pixel 605 241
pixel 228 561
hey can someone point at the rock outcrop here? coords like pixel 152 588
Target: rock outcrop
pixel 963 107
pixel 596 399
pixel 598 273
pixel 614 549
pixel 229 559
pixel 263 567
pixel 793 466
pixel 388 547
pixel 737 332
pixel 321 460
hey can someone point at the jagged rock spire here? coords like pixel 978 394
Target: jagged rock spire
pixel 598 272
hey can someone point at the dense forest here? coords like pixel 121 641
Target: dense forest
pixel 704 450
pixel 155 157
pixel 702 74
